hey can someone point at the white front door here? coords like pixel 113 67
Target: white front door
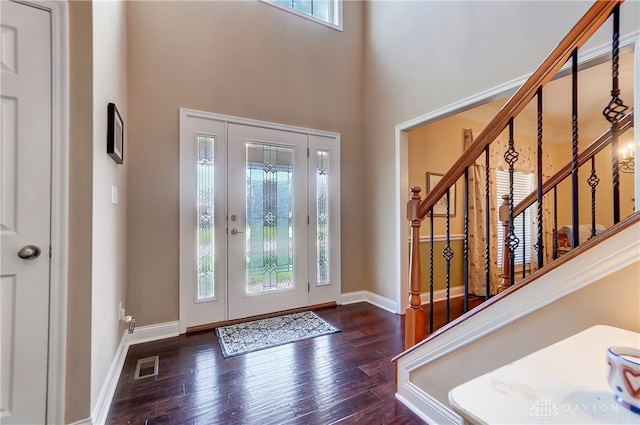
pixel 25 209
pixel 259 218
pixel 267 236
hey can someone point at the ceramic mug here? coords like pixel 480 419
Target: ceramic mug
pixel 624 376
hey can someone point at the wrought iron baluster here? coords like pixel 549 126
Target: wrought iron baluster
pixel 465 263
pixel 539 246
pixel 555 222
pixel 524 245
pixel 447 253
pixel 593 181
pixel 511 240
pixel 487 228
pixel 614 112
pixel 575 219
pixel 431 271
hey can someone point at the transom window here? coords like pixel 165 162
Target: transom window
pixel 326 12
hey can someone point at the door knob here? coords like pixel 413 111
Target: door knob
pixel 235 231
pixel 29 252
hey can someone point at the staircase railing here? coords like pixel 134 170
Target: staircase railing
pixel 418 209
pixel 551 184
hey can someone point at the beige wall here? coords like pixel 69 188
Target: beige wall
pixel 589 306
pixel 456 267
pixel 97 241
pixel 249 59
pixel 238 58
pixel 423 56
pixel 109 220
pixel 78 364
pixel 435 147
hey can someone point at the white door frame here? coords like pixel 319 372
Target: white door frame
pixel 636 119
pixel 228 119
pixel 59 206
pixel 402 154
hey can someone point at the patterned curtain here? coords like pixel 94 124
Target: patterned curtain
pixel 477 206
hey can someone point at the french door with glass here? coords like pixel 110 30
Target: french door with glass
pixel 259 218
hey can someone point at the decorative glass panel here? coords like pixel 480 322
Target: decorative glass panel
pixel 269 229
pixel 322 193
pixel 205 220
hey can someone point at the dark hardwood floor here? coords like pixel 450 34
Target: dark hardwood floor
pixel 456 309
pixel 345 378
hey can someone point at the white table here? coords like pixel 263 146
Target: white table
pixel 564 383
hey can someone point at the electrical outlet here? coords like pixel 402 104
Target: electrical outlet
pixel 120 311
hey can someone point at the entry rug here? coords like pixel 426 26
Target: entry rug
pixel 257 335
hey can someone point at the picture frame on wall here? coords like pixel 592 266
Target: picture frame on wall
pixel 115 134
pixel 440 208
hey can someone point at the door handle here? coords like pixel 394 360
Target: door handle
pixel 29 252
pixel 235 231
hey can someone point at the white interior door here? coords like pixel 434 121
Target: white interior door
pixel 25 151
pixel 267 228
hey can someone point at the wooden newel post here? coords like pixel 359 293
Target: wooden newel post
pixel 503 215
pixel 414 320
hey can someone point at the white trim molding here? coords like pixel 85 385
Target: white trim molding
pixel 441 294
pixel 140 335
pixel 440 238
pixel 86 421
pixel 56 386
pixel 110 383
pixel 592 265
pixel 153 333
pixel 370 297
pixel 230 119
pixel 194 121
pixel 636 126
pixel 335 12
pixel 402 152
pixel 426 407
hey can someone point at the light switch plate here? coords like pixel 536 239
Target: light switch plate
pixel 114 195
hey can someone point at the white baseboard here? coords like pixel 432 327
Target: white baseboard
pixel 101 410
pixel 153 332
pixel 441 294
pixel 427 408
pixel 368 296
pixel 595 263
pixel 389 304
pixel 83 422
pixel 141 334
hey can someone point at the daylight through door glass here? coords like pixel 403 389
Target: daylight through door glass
pixel 322 193
pixel 269 227
pixel 205 219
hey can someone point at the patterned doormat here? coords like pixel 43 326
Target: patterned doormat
pixel 257 335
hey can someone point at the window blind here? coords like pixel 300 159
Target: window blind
pixel 522 186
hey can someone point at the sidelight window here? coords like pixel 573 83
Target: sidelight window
pixel 322 193
pixel 205 217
